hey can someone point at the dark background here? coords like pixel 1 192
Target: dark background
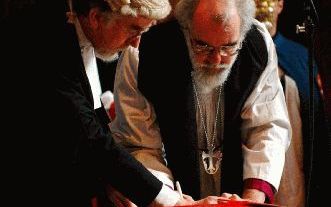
pixel 292 15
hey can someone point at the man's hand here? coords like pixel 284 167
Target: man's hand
pixel 118 199
pixel 229 196
pixel 254 195
pixel 188 200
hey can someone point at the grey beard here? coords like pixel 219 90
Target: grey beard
pixel 206 81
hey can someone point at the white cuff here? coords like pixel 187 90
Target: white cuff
pixel 163 177
pixel 167 196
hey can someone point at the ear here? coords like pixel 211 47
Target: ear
pixel 280 6
pixel 94 18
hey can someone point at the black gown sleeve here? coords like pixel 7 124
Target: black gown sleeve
pixel 95 154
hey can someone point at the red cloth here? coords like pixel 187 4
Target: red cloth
pixel 263 186
pixel 112 110
pixel 234 203
pixel 94 202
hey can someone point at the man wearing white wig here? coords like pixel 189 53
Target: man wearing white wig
pixel 206 107
pixel 102 28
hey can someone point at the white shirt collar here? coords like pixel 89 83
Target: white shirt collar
pixel 90 64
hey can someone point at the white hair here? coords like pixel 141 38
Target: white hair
pixel 152 9
pixel 246 9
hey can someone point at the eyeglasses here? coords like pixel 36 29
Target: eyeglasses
pixel 205 49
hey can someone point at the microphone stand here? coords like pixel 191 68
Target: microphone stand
pixel 308 27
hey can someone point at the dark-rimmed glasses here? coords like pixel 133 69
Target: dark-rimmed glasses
pixel 205 49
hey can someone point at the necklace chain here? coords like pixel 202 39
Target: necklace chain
pixel 210 142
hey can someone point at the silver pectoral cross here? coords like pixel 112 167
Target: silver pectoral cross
pixel 211 160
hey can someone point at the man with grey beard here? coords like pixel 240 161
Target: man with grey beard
pixel 205 106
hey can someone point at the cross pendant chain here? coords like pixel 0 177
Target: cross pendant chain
pixel 211 158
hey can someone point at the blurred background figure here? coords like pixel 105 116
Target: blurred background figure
pixel 293 72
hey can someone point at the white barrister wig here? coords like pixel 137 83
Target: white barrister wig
pixel 152 9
